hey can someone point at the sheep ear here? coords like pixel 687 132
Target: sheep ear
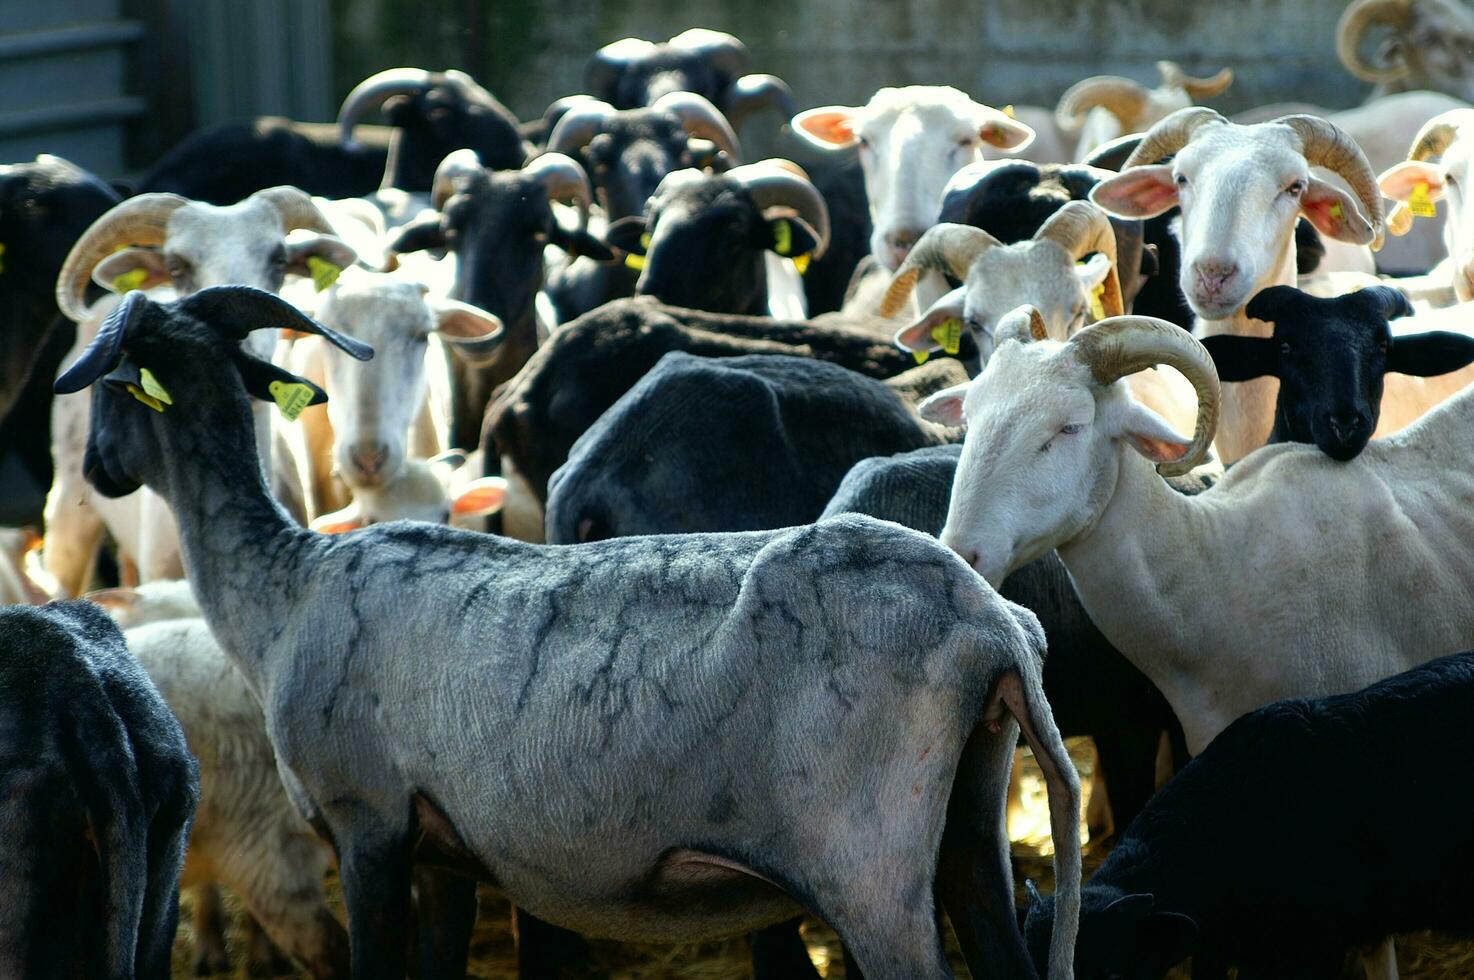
pixel 423 233
pixel 945 407
pixel 1004 132
pixel 922 337
pixel 830 127
pixel 1151 435
pixel 1399 183
pixel 270 383
pixel 321 257
pixel 1141 192
pixel 130 269
pixel 1243 358
pixel 480 498
pixel 1427 355
pixel 792 237
pixel 1335 213
pixel 324 525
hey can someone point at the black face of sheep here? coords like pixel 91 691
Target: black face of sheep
pixel 153 359
pixel 703 237
pixel 44 208
pixel 1122 937
pixel 1331 356
pixel 627 153
pixel 436 113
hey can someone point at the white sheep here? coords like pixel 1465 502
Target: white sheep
pixel 1101 108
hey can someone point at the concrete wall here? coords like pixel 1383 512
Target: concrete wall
pixel 1002 51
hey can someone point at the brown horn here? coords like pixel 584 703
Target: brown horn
pixel 564 181
pixel 579 125
pixel 1356 20
pixel 1121 97
pixel 700 119
pixel 1436 136
pixel 1197 88
pixel 1081 228
pixel 373 92
pixel 947 247
pixel 1124 345
pixel 753 93
pixel 1171 134
pixel 296 209
pixel 141 220
pixel 722 51
pixel 454 172
pixel 1325 145
pixel 773 183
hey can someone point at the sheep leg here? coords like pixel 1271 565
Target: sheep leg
pixel 374 863
pixel 545 950
pixel 168 835
pixel 209 932
pixel 891 939
pixel 1128 761
pixel 779 952
pixel 446 908
pixel 974 871
pixel 73 532
pixel 263 959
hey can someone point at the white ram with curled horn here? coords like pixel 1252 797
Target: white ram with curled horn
pixel 1104 107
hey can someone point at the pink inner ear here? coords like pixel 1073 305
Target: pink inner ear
pixel 1398 183
pixel 1138 193
pixel 338 527
pixel 831 127
pixel 1158 450
pixel 917 336
pixel 481 497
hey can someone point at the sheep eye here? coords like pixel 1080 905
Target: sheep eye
pixel 1296 188
pixel 1181 181
pixel 1072 429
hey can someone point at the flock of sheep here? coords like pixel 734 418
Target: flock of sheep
pixel 679 544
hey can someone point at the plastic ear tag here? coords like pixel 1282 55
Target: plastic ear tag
pixel 948 333
pixel 1097 304
pixel 645 241
pixel 1419 203
pixel 782 237
pixel 129 281
pixel 922 356
pixel 1007 111
pixel 290 398
pixel 324 273
pixel 152 387
pixel 633 261
pixel 145 397
pixel 1336 211
pixel 801 262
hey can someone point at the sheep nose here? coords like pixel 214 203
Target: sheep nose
pixel 369 458
pixel 1347 425
pixel 1212 275
pixel 902 240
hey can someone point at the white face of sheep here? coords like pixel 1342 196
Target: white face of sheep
pixel 1038 273
pixel 1041 457
pixel 1240 189
pixel 911 141
pixel 1448 182
pixel 372 404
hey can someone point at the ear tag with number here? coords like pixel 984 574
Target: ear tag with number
pixel 782 237
pixel 948 333
pixel 145 397
pixel 129 281
pixel 290 398
pixel 152 388
pixel 1419 204
pixel 324 273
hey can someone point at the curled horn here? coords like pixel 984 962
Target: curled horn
pixel 1436 136
pixel 608 64
pixel 1197 89
pixel 723 52
pixel 700 119
pixel 776 183
pixel 565 181
pixel 454 172
pixel 1124 345
pixel 1326 145
pixel 1081 228
pixel 1359 17
pixel 1121 97
pixel 238 310
pixel 753 93
pixel 373 92
pixel 948 248
pixel 296 209
pixel 141 220
pixel 106 349
pixel 579 125
pixel 1171 134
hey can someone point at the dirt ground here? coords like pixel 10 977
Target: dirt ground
pixel 1421 956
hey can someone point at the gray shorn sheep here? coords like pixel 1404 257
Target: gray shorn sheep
pixel 660 739
pixel 97 790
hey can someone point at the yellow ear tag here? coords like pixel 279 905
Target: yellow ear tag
pixel 921 356
pixel 801 262
pixel 645 241
pixel 290 397
pixel 129 281
pixel 1007 111
pixel 152 387
pixel 948 333
pixel 782 236
pixel 324 273
pixel 146 398
pixel 1419 203
pixel 1336 211
pixel 633 261
pixel 1097 306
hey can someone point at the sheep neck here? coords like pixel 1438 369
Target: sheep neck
pixel 243 555
pixel 1247 408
